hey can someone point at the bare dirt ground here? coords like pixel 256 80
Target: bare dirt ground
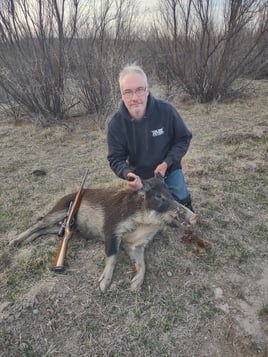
pixel 197 299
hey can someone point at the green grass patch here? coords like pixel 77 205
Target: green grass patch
pixel 264 311
pixel 26 271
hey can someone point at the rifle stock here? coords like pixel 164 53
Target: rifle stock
pixel 58 263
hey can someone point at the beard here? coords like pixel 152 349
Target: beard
pixel 137 110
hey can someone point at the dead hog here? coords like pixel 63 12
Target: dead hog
pixel 130 217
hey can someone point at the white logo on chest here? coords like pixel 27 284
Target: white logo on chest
pixel 158 132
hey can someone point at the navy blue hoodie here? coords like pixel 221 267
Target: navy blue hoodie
pixel 139 145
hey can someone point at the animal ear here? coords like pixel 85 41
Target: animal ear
pixel 146 186
pixel 149 183
pixel 160 177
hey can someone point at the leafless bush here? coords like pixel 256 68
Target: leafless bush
pixel 35 38
pixel 205 49
pixel 59 53
pixel 103 48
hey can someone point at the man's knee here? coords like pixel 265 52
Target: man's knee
pixel 177 185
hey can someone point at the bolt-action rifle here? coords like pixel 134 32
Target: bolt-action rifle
pixel 66 228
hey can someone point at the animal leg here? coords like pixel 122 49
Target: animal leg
pixel 106 277
pixel 112 243
pixel 136 254
pixel 135 243
pixel 47 225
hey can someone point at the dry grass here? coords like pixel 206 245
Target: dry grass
pixel 194 302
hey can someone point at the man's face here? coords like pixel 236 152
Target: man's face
pixel 134 94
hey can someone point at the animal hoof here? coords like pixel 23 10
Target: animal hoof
pixel 14 243
pixel 104 286
pixel 136 283
pixel 104 283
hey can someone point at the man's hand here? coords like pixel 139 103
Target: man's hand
pixel 133 181
pixel 161 169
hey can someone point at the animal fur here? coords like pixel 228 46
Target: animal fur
pixel 126 216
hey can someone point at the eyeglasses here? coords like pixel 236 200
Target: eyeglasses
pixel 129 93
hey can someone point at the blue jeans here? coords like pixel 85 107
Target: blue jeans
pixel 177 186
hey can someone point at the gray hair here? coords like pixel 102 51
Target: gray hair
pixel 132 68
